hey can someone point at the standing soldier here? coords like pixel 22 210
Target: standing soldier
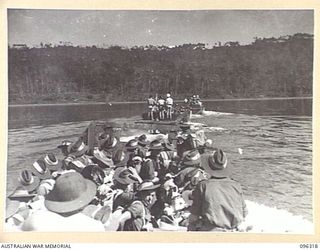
pixel 161 104
pixel 169 105
pixel 151 103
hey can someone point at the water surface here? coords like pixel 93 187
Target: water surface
pixel 275 168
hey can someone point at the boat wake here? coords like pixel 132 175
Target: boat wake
pixel 214 129
pixel 263 219
pixel 209 113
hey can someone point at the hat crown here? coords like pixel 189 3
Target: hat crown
pixel 124 176
pixel 78 164
pixel 192 155
pixel 52 157
pixel 97 175
pixel 125 173
pixel 26 177
pixel 110 142
pixel 40 166
pixel 68 187
pixel 107 154
pixel 218 160
pixel 119 156
pixel 142 137
pixel 132 143
pixel 93 172
pixel 147 185
pixel 137 158
pixel 77 145
pixel 142 140
pixel 156 144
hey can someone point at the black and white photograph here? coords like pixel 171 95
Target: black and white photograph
pixel 156 120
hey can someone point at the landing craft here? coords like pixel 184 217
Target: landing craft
pixel 257 221
pixel 196 108
pixel 195 105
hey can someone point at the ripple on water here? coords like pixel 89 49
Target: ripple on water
pixel 275 167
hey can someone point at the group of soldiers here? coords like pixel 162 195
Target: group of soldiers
pixel 160 108
pixel 172 181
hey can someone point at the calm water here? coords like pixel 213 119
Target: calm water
pixel 275 168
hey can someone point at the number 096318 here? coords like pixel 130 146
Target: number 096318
pixel 308 246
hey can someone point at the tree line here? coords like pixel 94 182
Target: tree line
pixel 269 67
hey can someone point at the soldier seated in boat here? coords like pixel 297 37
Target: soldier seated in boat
pixel 133 149
pixel 152 162
pixel 185 143
pixel 167 161
pixel 123 181
pixel 137 216
pixel 143 144
pixel 218 203
pixel 64 204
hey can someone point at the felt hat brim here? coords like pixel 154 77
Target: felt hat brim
pixel 12 207
pixel 156 148
pixel 221 173
pixel 88 173
pixel 122 163
pixel 77 153
pixel 75 204
pixel 150 188
pixel 103 162
pixel 21 195
pixel 131 147
pixel 45 175
pixel 191 162
pixel 126 181
pixel 30 187
pixel 54 167
pixel 143 143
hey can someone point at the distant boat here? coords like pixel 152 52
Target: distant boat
pixel 165 122
pixel 196 108
pixel 180 114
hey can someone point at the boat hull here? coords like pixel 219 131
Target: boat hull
pixel 197 109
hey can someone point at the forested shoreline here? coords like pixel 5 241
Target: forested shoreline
pixel 268 67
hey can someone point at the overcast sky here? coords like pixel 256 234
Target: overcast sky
pixel 130 28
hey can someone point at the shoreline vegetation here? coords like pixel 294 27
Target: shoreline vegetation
pixel 65 73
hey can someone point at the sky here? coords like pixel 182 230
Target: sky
pixel 152 27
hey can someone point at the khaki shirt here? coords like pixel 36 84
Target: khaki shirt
pixel 220 203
